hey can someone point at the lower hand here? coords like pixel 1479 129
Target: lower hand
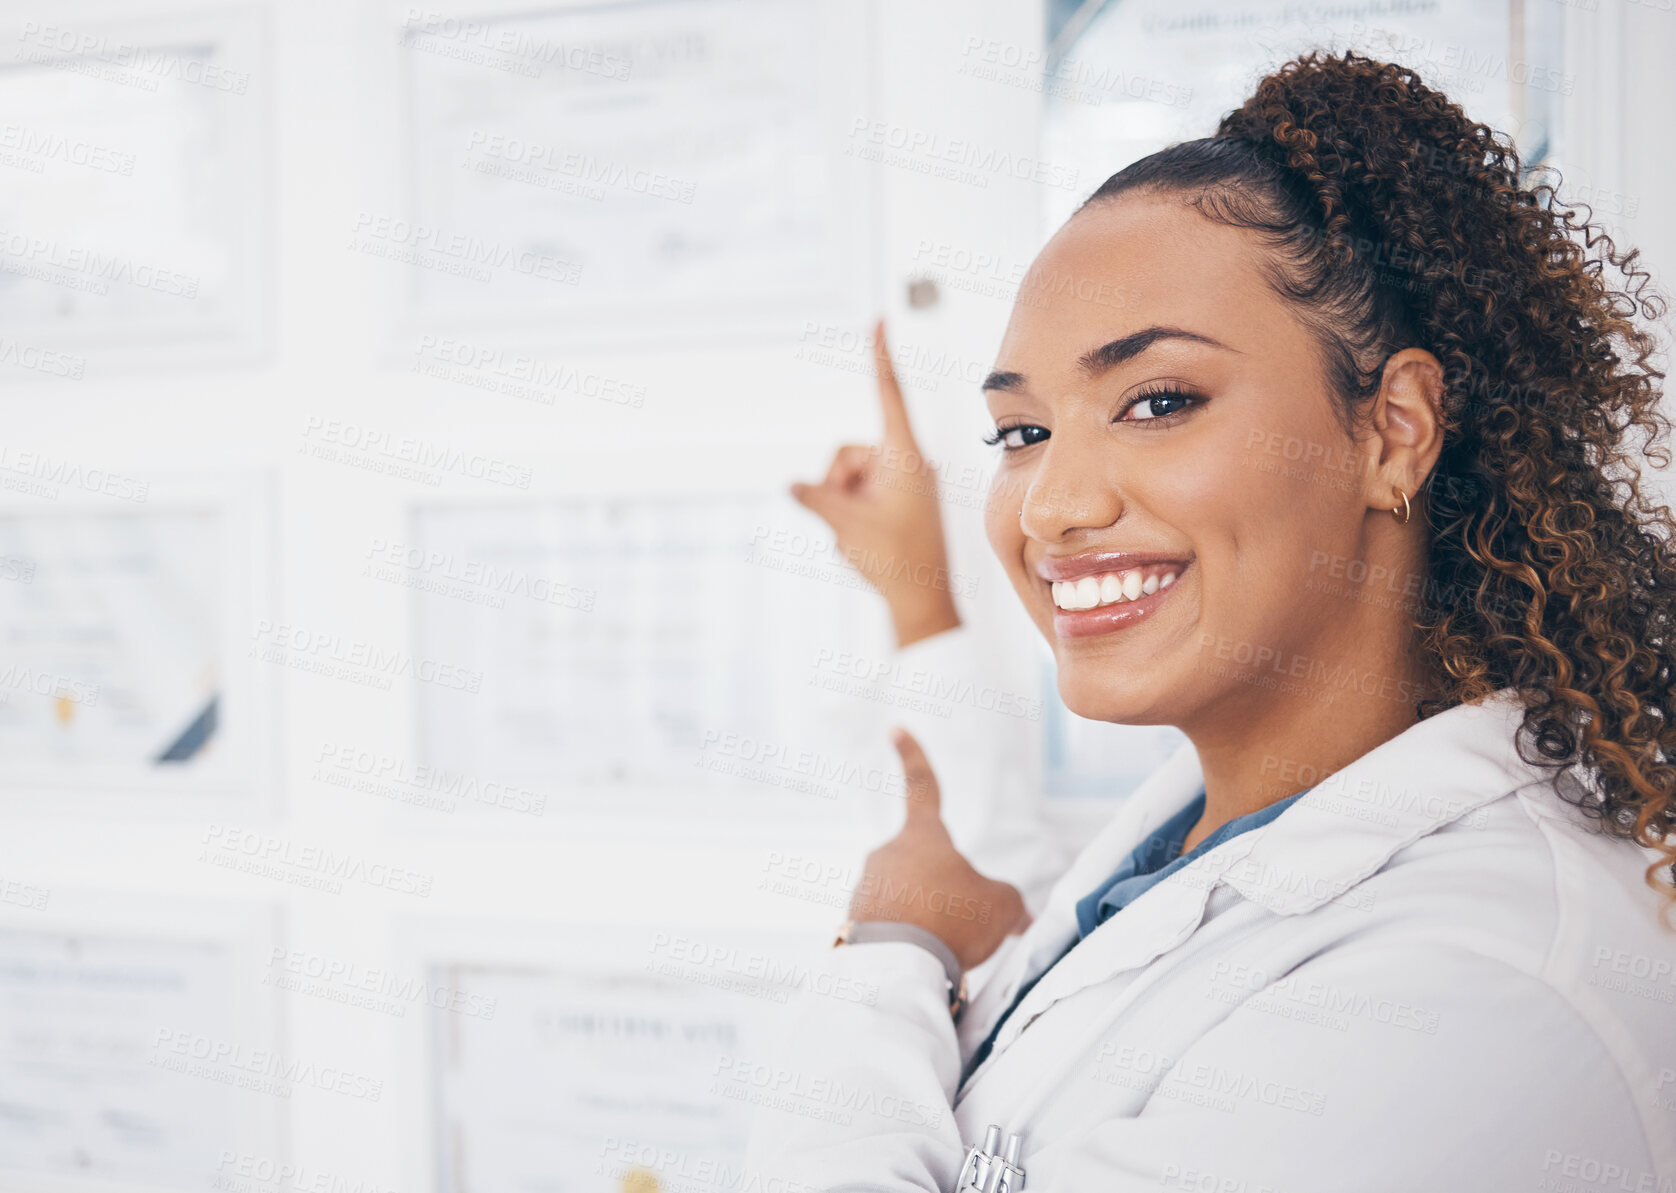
pixel 918 877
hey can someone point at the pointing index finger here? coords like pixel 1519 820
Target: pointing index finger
pixel 924 797
pixel 897 427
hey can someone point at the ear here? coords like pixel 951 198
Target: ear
pixel 1407 428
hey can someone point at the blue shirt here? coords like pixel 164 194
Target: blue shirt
pixel 1148 864
pixel 1154 859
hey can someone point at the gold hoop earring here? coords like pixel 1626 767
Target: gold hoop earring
pixel 1403 519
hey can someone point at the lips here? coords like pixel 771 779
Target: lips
pixel 1099 592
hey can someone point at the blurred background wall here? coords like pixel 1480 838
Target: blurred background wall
pixel 433 740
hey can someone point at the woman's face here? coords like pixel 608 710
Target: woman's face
pixel 1169 429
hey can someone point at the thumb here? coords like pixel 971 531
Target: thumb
pixel 1025 919
pixel 818 499
pixel 925 800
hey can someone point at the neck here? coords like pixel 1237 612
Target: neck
pixel 1260 745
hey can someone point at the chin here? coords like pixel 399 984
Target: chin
pixel 1095 694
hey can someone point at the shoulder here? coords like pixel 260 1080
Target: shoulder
pixel 1530 879
pixel 1441 1060
pixel 1529 937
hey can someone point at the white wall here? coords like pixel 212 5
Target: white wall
pixel 749 414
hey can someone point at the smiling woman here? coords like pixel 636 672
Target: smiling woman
pixel 1346 490
pixel 1404 327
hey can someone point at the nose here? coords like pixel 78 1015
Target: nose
pixel 1074 488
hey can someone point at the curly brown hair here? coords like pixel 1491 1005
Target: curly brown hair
pixel 1396 221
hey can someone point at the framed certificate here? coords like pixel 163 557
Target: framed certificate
pixel 598 174
pixel 644 652
pixel 135 228
pixel 609 1059
pixel 135 1042
pixel 126 606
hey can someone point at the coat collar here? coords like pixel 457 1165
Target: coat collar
pixel 1347 826
pixel 1344 829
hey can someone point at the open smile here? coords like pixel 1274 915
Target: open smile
pixel 1107 601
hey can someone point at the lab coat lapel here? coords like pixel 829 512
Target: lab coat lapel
pixel 1164 792
pixel 1440 769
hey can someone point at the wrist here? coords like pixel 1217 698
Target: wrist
pixel 870 931
pixel 923 617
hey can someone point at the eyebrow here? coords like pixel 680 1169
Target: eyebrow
pixel 1108 356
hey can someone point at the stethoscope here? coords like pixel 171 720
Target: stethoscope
pixel 987 1172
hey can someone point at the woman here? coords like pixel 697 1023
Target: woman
pixel 1347 492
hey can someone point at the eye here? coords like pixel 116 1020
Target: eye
pixel 1161 403
pixel 1015 436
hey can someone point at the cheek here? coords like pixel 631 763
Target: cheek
pixel 1200 493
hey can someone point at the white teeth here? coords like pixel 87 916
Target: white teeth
pixel 1090 592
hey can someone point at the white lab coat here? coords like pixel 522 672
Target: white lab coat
pixel 1429 973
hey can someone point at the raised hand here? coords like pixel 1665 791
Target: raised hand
pixel 881 502
pixel 918 877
